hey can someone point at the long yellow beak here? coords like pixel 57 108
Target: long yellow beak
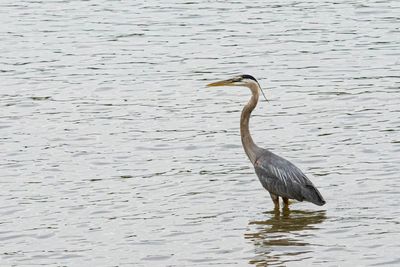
pixel 221 83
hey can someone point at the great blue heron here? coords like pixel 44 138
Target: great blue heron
pixel 278 176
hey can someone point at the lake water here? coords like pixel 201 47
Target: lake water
pixel 114 153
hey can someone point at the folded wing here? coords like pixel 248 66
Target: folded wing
pixel 282 178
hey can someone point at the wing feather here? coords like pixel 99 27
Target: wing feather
pixel 280 177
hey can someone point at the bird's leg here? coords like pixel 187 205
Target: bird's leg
pixel 286 202
pixel 275 199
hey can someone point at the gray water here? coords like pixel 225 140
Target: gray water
pixel 114 153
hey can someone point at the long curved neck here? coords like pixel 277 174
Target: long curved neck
pixel 248 144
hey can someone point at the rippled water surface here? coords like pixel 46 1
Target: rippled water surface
pixel 114 153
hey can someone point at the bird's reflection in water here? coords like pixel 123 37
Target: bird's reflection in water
pixel 279 239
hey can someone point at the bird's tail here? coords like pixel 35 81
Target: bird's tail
pixel 311 194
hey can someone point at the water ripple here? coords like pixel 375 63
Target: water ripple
pixel 115 152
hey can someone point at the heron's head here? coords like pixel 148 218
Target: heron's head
pixel 242 80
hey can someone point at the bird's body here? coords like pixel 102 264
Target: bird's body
pixel 282 178
pixel 278 176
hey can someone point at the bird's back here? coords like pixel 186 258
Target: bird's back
pixel 282 178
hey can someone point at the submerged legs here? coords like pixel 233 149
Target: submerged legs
pixel 286 202
pixel 275 199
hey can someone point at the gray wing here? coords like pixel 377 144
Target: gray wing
pixel 282 178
